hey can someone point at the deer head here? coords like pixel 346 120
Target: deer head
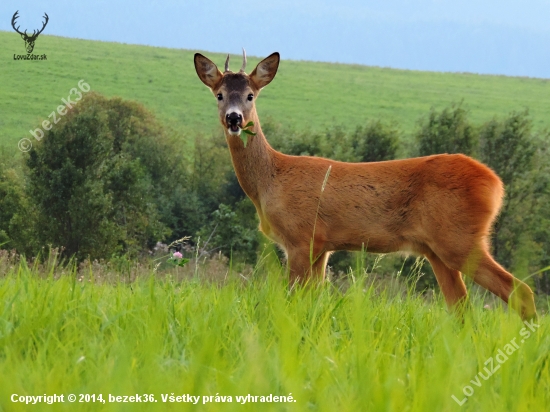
pixel 29 40
pixel 236 92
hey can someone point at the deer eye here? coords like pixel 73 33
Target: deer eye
pixel 250 97
pixel 220 97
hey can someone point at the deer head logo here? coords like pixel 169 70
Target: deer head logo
pixel 29 40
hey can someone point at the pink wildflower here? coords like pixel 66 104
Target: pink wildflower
pixel 177 255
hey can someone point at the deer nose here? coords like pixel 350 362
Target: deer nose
pixel 234 119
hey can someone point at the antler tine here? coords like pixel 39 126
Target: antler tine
pixel 244 60
pixel 227 63
pixel 13 19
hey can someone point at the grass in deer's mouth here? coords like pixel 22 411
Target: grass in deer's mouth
pixel 246 130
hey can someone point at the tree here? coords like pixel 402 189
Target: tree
pixel 447 131
pixel 375 142
pixel 509 148
pixel 98 179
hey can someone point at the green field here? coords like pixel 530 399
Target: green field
pixel 368 348
pixel 303 95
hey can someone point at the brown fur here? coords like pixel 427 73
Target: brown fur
pixel 439 206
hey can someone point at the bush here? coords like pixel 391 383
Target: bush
pixel 375 142
pixel 447 131
pixel 510 148
pixel 507 147
pixel 16 214
pixel 308 142
pixel 100 179
pixel 233 230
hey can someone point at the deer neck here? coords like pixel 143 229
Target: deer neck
pixel 254 164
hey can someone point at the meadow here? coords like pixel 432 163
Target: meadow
pixel 373 345
pixel 305 95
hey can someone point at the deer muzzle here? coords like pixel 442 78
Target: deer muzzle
pixel 234 122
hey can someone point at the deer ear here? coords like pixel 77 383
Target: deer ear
pixel 265 71
pixel 208 72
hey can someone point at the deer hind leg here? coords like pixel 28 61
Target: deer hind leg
pixel 304 267
pixel 450 282
pixel 489 274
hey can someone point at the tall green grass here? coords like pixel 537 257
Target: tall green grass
pixel 363 349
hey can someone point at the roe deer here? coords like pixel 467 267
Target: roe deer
pixel 439 206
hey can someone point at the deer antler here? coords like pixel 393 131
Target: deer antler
pixel 34 33
pixel 43 26
pixel 227 63
pixel 242 67
pixel 13 19
pixel 244 60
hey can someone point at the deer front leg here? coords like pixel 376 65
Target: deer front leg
pixel 306 265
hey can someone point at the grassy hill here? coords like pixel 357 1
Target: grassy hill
pixel 304 94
